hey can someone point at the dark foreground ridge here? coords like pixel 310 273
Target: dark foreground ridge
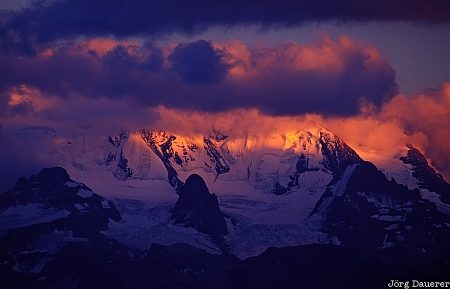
pixel 107 264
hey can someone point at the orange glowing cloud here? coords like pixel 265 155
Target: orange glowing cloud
pixel 369 135
pixel 428 114
pixel 237 55
pixel 24 95
pixel 102 45
pixel 323 55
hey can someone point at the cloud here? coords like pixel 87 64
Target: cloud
pixel 21 100
pixel 327 76
pixel 104 114
pixel 198 62
pixel 74 69
pixel 51 20
pixel 428 114
pixel 370 134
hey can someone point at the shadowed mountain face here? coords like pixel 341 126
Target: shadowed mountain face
pixel 199 209
pixel 426 176
pixel 380 218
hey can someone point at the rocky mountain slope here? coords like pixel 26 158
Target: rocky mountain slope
pixel 44 213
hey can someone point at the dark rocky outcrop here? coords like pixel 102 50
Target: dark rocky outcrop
pixel 199 209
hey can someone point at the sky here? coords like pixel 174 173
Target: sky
pixel 378 73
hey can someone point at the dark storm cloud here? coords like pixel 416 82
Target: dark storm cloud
pixel 116 74
pixel 119 56
pixel 328 77
pixel 49 20
pixel 343 93
pixel 198 62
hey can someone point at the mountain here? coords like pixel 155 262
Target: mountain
pixel 378 212
pixel 239 158
pixel 378 217
pixel 199 209
pixel 226 199
pixel 270 186
pixel 53 189
pixel 43 213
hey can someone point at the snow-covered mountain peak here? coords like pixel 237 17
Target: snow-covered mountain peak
pixel 268 162
pixel 237 144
